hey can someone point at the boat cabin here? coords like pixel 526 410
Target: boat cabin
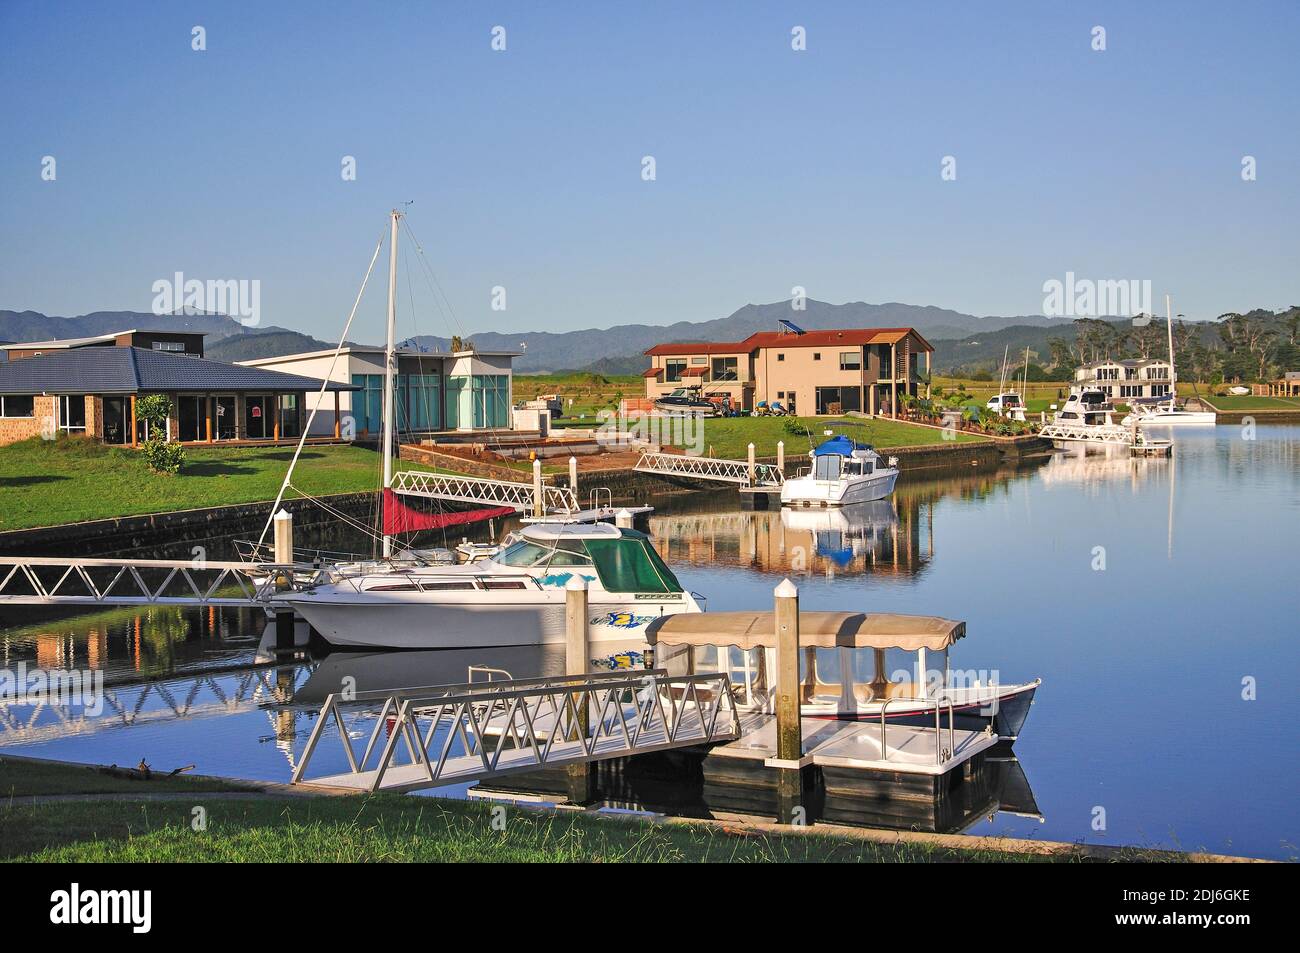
pixel 624 560
pixel 841 457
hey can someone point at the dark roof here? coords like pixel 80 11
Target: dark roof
pixel 128 370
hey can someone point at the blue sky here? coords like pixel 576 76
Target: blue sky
pixel 775 168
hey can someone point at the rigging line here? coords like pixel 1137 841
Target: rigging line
pixel 320 395
pixel 432 277
pixel 335 512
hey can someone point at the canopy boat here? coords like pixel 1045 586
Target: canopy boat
pixel 843 472
pixel 838 641
pixel 686 400
pixel 515 597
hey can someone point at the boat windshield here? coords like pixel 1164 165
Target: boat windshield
pixel 523 554
pixel 630 564
pixel 827 466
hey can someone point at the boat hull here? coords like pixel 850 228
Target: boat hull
pixel 1005 708
pixel 432 625
pixel 805 491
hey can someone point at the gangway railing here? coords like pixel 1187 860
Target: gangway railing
pixel 709 468
pixel 42 580
pixel 455 734
pixel 467 489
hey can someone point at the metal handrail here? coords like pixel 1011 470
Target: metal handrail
pixel 594 496
pixel 938 735
pixel 488 670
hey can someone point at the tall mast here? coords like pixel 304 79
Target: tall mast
pixel 1169 323
pixel 390 367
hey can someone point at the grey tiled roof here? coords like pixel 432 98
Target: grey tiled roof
pixel 128 370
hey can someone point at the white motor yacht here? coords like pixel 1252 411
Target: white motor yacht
pixel 843 472
pixel 515 597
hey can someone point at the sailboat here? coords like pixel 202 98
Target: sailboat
pixel 1164 411
pixel 515 596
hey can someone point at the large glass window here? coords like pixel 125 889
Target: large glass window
pixel 368 403
pixel 224 421
pixel 673 370
pixel 725 369
pixel 20 405
pixel 190 413
pixel 850 360
pixel 117 420
pixel 259 423
pixel 422 399
pixel 72 413
pixel 290 426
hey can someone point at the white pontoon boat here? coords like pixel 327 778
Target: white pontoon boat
pixel 843 472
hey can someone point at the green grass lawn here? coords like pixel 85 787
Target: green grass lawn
pixel 396 828
pixel 23 778
pixel 1250 402
pixel 48 482
pixel 729 437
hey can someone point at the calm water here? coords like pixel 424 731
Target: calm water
pixel 1144 663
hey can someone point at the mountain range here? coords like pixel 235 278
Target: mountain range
pixel 960 339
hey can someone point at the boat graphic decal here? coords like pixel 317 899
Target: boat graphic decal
pixel 623 661
pixel 623 620
pixel 558 580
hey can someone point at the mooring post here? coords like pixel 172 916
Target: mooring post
pixel 283 537
pixel 573 476
pixel 780 455
pixel 581 779
pixel 751 464
pixel 789 726
pixel 539 506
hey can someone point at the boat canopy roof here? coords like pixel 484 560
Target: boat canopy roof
pixel 823 630
pixel 551 531
pixel 841 446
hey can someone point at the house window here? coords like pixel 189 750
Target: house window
pixel 725 369
pixel 72 413
pixel 289 420
pixel 673 370
pixel 167 346
pixel 1159 390
pixel 699 360
pixel 780 357
pixel 21 405
pixel 191 415
pixel 780 395
pixel 817 356
pixel 850 360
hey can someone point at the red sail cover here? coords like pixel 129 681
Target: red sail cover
pixel 400 518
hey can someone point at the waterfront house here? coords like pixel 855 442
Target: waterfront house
pixel 807 372
pixel 1129 378
pixel 1288 385
pixel 189 343
pixel 91 389
pixel 436 391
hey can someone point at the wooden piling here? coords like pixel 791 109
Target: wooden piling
pixel 780 455
pixel 283 537
pixel 789 726
pixel 539 505
pixel 750 471
pixel 581 778
pixel 573 476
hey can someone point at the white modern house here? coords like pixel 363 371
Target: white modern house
pixel 1135 377
pixel 436 391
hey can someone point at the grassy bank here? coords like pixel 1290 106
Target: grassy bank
pixel 27 778
pixel 395 828
pixel 49 482
pixel 1233 403
pixel 590 393
pixel 729 437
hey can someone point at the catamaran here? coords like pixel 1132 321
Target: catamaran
pixel 843 472
pixel 410 599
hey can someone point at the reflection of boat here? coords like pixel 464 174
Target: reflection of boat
pixel 514 598
pixel 843 472
pixel 833 640
pixel 843 533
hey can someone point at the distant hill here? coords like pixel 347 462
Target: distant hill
pixel 250 347
pixel 549 351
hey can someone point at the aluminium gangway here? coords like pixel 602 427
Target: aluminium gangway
pixel 710 468
pixel 60 580
pixel 468 489
pixel 454 734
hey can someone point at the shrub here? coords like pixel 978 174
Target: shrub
pixel 161 455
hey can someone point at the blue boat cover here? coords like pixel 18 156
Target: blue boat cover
pixel 841 445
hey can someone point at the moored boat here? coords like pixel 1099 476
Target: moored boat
pixel 843 472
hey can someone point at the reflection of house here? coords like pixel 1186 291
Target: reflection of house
pixel 823 372
pixel 435 391
pixel 1136 377
pixel 92 390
